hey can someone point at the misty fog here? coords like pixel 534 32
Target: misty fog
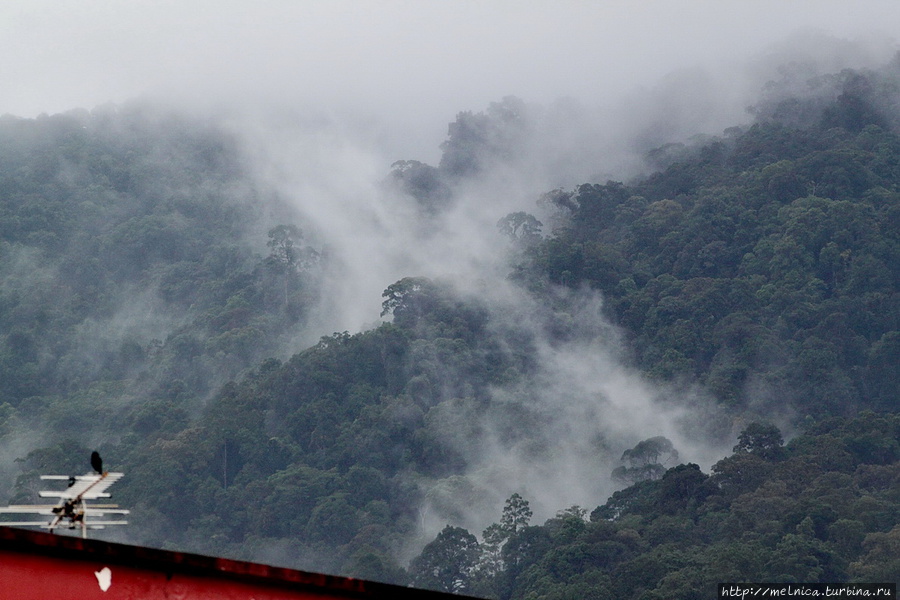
pixel 592 405
pixel 324 100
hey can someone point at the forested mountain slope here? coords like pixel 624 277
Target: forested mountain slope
pixel 133 263
pixel 142 269
pixel 763 264
pixel 823 508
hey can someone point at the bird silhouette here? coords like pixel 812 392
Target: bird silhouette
pixel 97 462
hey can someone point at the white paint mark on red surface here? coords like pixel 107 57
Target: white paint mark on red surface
pixel 104 578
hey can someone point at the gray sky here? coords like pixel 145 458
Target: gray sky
pixel 401 68
pixel 424 57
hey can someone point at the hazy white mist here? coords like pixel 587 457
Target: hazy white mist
pixel 410 64
pixel 326 95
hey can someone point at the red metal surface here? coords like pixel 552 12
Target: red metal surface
pixel 40 566
pixel 33 577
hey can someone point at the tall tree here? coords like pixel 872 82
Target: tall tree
pixel 516 515
pixel 448 562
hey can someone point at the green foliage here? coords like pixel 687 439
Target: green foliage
pixel 423 182
pixel 516 515
pixel 475 141
pixel 763 439
pixel 329 448
pixel 767 258
pixel 761 516
pixel 113 223
pixel 521 228
pixel 881 558
pixel 135 282
pixel 644 460
pixel 447 563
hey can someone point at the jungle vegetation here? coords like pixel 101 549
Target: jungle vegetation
pixel 149 291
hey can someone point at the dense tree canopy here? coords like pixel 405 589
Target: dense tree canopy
pixel 804 518
pixel 763 261
pixel 146 296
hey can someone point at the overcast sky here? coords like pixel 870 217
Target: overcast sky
pixel 425 59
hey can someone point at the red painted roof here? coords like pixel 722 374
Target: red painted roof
pixel 37 565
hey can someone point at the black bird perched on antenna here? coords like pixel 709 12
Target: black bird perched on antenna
pixel 97 462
